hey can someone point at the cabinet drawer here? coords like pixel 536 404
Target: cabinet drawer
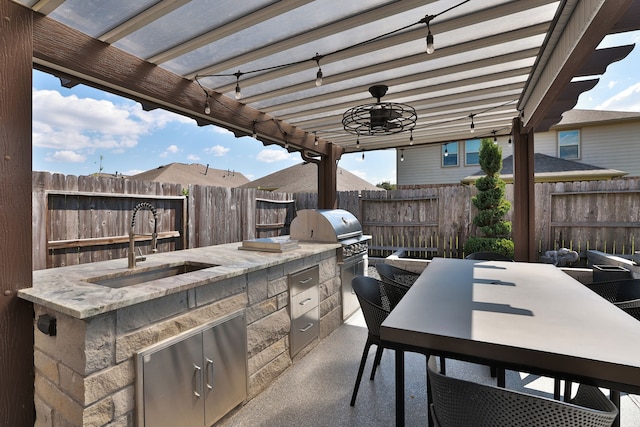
pixel 303 280
pixel 304 329
pixel 303 302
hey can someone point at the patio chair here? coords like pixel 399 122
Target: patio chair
pixel 396 276
pixel 460 403
pixel 376 299
pixel 617 290
pixel 488 256
pixel 624 294
pixel 632 308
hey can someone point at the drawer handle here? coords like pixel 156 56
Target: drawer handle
pixel 209 373
pixel 306 328
pixel 308 300
pixel 307 280
pixel 196 376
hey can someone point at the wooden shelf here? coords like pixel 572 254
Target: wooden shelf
pixel 97 241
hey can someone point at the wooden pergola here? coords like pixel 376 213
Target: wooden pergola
pixel 507 65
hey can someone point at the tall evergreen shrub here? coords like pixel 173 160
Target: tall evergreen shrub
pixel 493 230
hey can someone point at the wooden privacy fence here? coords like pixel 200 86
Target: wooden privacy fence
pixel 86 219
pixel 223 215
pixel 599 215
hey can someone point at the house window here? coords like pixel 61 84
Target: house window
pixel 450 154
pixel 472 152
pixel 569 144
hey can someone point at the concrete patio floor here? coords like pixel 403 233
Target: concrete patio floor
pixel 316 390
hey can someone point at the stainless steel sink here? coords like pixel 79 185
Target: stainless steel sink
pixel 135 277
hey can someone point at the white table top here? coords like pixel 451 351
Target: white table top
pixel 532 317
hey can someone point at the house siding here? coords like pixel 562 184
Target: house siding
pixel 423 166
pixel 610 146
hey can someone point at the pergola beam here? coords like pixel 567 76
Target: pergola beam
pixel 574 43
pixel 67 52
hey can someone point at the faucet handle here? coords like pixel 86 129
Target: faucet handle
pixel 141 257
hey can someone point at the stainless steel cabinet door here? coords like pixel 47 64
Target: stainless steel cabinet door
pixel 225 367
pixel 173 385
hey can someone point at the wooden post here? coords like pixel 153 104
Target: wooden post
pixel 327 179
pixel 524 213
pixel 16 315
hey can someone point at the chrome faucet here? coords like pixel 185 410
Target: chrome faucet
pixel 132 235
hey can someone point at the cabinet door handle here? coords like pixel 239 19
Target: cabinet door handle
pixel 307 280
pixel 306 328
pixel 209 373
pixel 196 376
pixel 306 301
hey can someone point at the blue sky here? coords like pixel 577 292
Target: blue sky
pixel 81 131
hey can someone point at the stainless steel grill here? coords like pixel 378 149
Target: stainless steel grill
pixel 331 226
pixel 337 226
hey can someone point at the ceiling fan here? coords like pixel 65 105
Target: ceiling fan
pixel 380 117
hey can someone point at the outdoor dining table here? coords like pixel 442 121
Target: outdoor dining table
pixel 527 317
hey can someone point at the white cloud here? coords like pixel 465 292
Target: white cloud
pixel 66 156
pixel 220 130
pixel 625 100
pixel 611 84
pixel 132 172
pixel 193 157
pixel 172 149
pixel 72 123
pixel 217 150
pixel 270 156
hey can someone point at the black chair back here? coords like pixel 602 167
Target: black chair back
pixel 376 299
pixel 396 276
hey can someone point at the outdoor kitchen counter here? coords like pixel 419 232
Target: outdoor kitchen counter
pixel 66 289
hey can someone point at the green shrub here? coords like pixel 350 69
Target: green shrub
pixel 487 244
pixel 491 205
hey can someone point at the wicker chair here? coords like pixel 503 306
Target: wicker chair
pixel 461 403
pixel 624 294
pixel 396 276
pixel 376 299
pixel 616 291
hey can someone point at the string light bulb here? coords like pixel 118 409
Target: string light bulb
pixel 473 126
pixel 319 73
pixel 207 107
pixel 315 138
pixel 495 138
pixel 430 47
pixel 238 93
pixel 509 142
pixel 402 155
pixel 446 152
pixel 254 134
pixel 411 137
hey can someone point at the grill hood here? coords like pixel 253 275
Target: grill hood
pixel 325 225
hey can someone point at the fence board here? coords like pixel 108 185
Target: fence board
pixel 430 220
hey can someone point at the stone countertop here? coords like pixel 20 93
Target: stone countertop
pixel 67 290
